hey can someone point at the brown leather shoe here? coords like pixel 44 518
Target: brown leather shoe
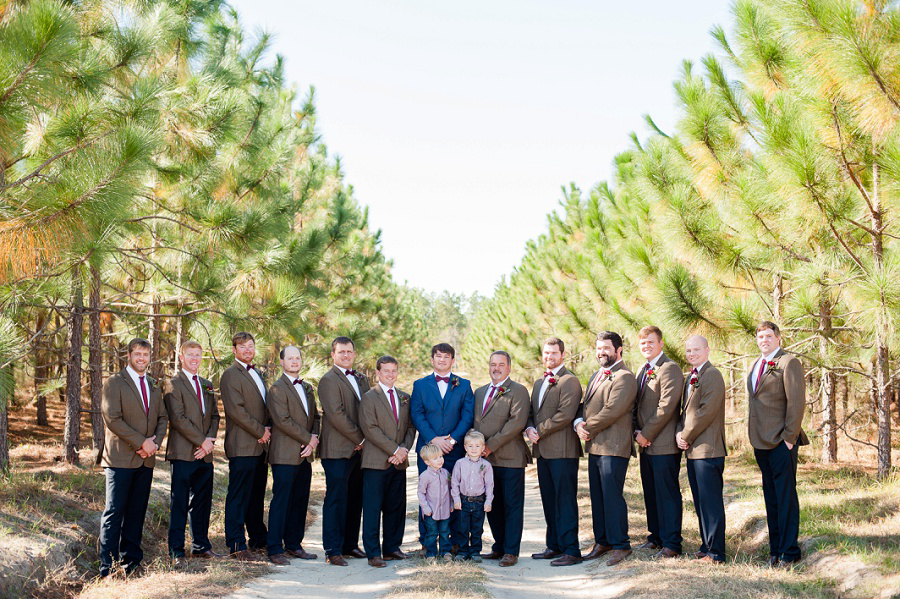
pixel 617 556
pixel 650 545
pixel 394 555
pixel 492 555
pixel 566 560
pixel 208 554
pixel 377 562
pixel 336 560
pixel 300 554
pixel 179 561
pixel 355 553
pixel 707 559
pixel 665 553
pixel 699 554
pixel 279 559
pixel 596 551
pixel 243 556
pixel 454 549
pixel 508 560
pixel 546 554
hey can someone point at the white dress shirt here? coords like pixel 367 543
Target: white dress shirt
pixel 442 385
pixel 137 383
pixel 301 392
pixel 191 380
pixel 353 382
pixel 687 381
pixel 545 385
pixel 755 372
pixel 257 378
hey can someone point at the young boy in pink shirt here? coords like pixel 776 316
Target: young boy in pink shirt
pixel 434 499
pixel 472 488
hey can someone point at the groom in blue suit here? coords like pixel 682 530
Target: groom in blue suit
pixel 443 410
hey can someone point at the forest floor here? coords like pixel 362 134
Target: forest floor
pixel 49 519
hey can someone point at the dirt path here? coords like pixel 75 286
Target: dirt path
pixel 527 579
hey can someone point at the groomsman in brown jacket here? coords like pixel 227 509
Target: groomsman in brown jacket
pixel 701 434
pixel 295 428
pixel 247 432
pixel 135 419
pixel 660 384
pixel 605 427
pixel 501 413
pixel 194 418
pixel 340 391
pixel 387 426
pixel 555 399
pixel 777 391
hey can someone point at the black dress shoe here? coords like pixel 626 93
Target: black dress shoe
pixel 596 551
pixel 650 545
pixel 394 555
pixel 566 560
pixel 300 554
pixel 492 555
pixel 772 561
pixel 355 553
pixel 546 554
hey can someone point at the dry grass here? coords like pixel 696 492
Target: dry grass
pixel 429 579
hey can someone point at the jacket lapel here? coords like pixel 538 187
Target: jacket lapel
pixel 487 392
pixel 246 374
pixel 343 378
pixel 137 394
pixel 386 404
pixel 188 385
pixel 765 373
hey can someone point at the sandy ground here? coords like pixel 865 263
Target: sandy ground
pixel 528 579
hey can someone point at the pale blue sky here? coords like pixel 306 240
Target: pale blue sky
pixel 458 122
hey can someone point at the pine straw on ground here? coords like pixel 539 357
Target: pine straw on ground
pixel 422 578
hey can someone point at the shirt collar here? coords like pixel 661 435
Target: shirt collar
pixel 385 389
pixel 503 384
pixel 241 363
pixel 654 361
pixel 556 370
pixel 614 365
pixel 134 374
pixel 699 368
pixel 191 376
pixel 435 374
pixel 771 356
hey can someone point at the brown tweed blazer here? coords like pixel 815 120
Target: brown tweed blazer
pixel 777 406
pixel 340 414
pixel 292 426
pixel 502 424
pixel 658 407
pixel 608 412
pixel 702 423
pixel 127 425
pixel 384 434
pixel 553 420
pixel 189 425
pixel 246 417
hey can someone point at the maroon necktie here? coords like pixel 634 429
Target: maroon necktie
pixel 439 378
pixel 393 405
pixel 144 397
pixel 762 367
pixel 488 402
pixel 647 369
pixel 199 395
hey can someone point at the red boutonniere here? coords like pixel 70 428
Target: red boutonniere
pixel 404 398
pixel 454 381
pixel 651 374
pixel 551 380
pixel 207 388
pixel 500 391
pixel 307 388
pixel 695 381
pixel 771 366
pixel 607 375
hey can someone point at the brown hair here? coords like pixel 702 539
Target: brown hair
pixel 385 360
pixel 650 330
pixel 557 342
pixel 242 337
pixel 138 342
pixel 341 341
pixel 768 325
pixel 190 344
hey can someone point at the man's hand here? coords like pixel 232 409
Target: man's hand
pixel 486 451
pixel 148 448
pixel 313 441
pixel 401 455
pixel 641 440
pixel 682 444
pixel 532 435
pixel 393 460
pixel 205 448
pixel 443 443
pixel 266 436
pixel 426 513
pixel 457 506
pixel 307 451
pixel 487 508
pixel 790 446
pixel 582 432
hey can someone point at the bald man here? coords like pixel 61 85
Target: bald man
pixel 701 434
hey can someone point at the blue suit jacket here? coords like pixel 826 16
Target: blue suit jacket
pixel 435 417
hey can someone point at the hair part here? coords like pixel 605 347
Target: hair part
pixel 139 342
pixel 444 348
pixel 610 336
pixel 386 360
pixel 430 451
pixel 767 324
pixel 341 341
pixel 557 342
pixel 241 337
pixel 500 352
pixel 650 330
pixel 473 435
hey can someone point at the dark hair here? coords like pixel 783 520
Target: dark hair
pixel 385 360
pixel 281 353
pixel 611 336
pixel 557 342
pixel 444 348
pixel 500 352
pixel 241 337
pixel 768 325
pixel 138 342
pixel 650 330
pixel 341 341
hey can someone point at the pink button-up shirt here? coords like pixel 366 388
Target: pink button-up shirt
pixel 434 493
pixel 473 477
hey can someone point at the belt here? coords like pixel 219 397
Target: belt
pixel 474 498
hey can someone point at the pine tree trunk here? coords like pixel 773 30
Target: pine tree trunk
pixel 777 298
pixel 156 365
pixel 827 388
pixel 41 367
pixel 73 373
pixel 95 359
pixel 6 395
pixel 882 336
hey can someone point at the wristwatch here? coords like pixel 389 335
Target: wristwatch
pixel 452 440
